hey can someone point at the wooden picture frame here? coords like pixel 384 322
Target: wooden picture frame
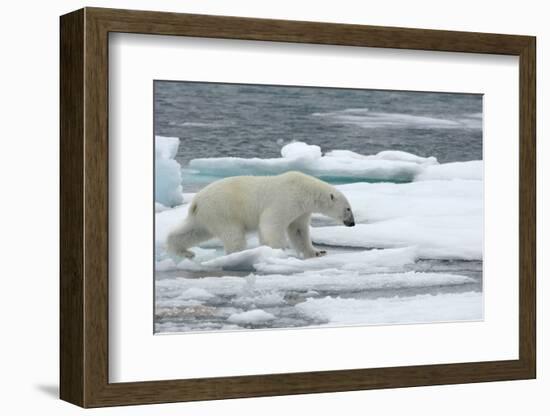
pixel 84 207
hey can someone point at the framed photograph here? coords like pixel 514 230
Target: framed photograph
pixel 255 207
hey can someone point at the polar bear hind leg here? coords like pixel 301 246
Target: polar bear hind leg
pixel 233 238
pixel 298 233
pixel 189 234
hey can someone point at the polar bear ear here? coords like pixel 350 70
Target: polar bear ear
pixel 332 197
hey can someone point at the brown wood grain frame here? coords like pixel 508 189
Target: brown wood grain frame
pixel 84 213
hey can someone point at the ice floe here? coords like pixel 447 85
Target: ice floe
pixel 394 166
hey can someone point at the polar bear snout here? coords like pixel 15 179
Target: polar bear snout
pixel 349 220
pixel 349 223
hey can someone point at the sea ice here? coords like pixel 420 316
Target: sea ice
pixel 437 213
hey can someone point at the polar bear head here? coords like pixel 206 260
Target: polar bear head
pixel 336 205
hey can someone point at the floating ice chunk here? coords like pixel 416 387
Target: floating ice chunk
pixel 403 310
pixel 472 170
pixel 301 150
pixel 338 164
pixel 246 259
pixel 438 237
pixel 167 171
pixel 255 316
pixel 328 168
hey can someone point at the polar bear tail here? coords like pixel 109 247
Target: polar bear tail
pixel 188 234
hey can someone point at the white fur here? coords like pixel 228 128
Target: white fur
pixel 278 207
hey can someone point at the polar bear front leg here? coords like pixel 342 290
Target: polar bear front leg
pixel 272 231
pixel 298 233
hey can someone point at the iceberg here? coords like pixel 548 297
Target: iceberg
pixel 168 190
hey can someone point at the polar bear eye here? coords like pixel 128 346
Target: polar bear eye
pixel 332 197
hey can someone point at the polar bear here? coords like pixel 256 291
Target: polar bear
pixel 276 206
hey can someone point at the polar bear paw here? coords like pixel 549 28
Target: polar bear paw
pixel 320 253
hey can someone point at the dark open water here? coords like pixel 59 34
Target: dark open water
pixel 215 120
